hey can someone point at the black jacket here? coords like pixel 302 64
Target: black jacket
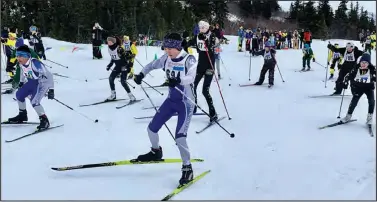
pixel 346 64
pixel 205 49
pixel 269 57
pixel 362 79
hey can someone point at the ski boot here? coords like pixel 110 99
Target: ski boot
pixel 369 119
pixel 346 118
pixel 303 69
pixel 153 155
pixel 113 96
pixel 9 81
pixel 270 85
pixel 21 117
pixel 132 97
pixel 187 175
pixel 331 76
pixel 44 124
pixel 308 69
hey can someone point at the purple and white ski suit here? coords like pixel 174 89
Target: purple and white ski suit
pixel 184 66
pixel 38 81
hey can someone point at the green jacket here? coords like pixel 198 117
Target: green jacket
pixel 308 53
pixel 17 76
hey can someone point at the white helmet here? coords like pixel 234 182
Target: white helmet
pixel 203 25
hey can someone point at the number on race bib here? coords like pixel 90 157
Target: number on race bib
pixel 113 57
pixel 201 45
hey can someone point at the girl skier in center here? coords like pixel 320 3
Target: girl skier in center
pixel 180 69
pixel 269 64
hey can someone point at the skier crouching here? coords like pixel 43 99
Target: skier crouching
pixel 362 79
pixel 269 64
pixel 180 68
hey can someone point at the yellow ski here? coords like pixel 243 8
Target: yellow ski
pixel 181 188
pixel 120 163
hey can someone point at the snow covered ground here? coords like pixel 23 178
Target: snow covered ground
pixel 278 151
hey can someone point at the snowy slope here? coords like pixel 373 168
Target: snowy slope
pixel 278 151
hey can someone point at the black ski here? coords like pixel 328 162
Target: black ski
pixel 149 117
pixel 370 130
pixel 33 133
pixel 331 95
pixel 303 70
pixel 337 124
pixel 159 86
pixel 23 123
pixel 144 108
pixel 102 102
pixel 209 125
pixel 129 103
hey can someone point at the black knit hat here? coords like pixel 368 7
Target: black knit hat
pixel 23 48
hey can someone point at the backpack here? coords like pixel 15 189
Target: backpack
pixel 307 36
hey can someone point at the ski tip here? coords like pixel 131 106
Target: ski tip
pixel 197 160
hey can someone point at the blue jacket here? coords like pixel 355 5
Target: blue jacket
pixel 196 30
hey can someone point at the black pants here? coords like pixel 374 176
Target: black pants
pixel 208 75
pixel 40 50
pixel 333 63
pixel 301 44
pixel 357 93
pixel 289 43
pixel 271 72
pixel 10 66
pixel 339 84
pixel 123 79
pixel 97 52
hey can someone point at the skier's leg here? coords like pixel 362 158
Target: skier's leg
pixel 205 91
pixel 198 77
pixel 271 75
pixel 112 77
pixel 262 75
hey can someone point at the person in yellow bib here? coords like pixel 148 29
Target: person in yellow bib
pixel 131 48
pixel 334 57
pixel 10 46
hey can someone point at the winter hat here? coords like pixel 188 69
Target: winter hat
pixel 173 40
pixel 203 24
pixel 19 42
pixel 23 51
pixel 268 44
pixel 365 58
pixel 112 39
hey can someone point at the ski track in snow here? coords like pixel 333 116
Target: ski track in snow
pixel 277 153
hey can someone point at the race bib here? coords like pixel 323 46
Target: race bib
pixel 350 57
pixel 201 45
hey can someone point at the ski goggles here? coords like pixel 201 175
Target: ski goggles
pixel 23 54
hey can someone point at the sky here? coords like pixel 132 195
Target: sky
pixel 370 6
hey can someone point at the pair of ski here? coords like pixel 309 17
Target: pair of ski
pixel 29 134
pixel 176 191
pixel 331 95
pixel 108 101
pixel 369 126
pixel 305 70
pixel 253 84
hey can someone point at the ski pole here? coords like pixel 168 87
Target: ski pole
pixel 57 63
pixel 341 104
pixel 143 67
pixel 56 74
pixel 230 79
pixel 217 81
pixel 153 88
pixel 154 106
pixel 280 72
pixel 327 66
pixel 230 134
pixel 95 121
pixel 130 85
pixel 250 67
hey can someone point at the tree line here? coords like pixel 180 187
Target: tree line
pixel 72 20
pixel 324 22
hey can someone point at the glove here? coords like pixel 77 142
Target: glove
pixel 329 45
pixel 201 36
pixel 313 59
pixel 328 63
pixel 174 82
pixel 131 74
pixel 20 84
pixel 51 94
pixel 108 67
pixel 138 78
pixel 345 85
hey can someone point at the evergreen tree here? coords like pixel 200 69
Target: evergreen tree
pixel 325 9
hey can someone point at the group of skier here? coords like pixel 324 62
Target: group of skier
pixel 183 74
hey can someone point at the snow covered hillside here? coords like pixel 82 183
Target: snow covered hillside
pixel 278 151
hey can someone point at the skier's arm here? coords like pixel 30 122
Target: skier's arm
pixel 134 50
pixel 156 64
pixel 191 64
pixel 351 76
pixel 329 56
pixel 258 53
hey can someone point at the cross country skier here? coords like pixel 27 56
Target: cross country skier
pixel 130 48
pixel 362 79
pixel 269 64
pixel 334 57
pixel 307 56
pixel 205 42
pixel 180 68
pixel 39 82
pixel 367 45
pixel 122 60
pixel 35 40
pixel 350 54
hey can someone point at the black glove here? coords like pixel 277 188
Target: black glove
pixel 313 59
pixel 20 84
pixel 138 78
pixel 201 36
pixel 345 85
pixel 108 67
pixel 51 94
pixel 174 82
